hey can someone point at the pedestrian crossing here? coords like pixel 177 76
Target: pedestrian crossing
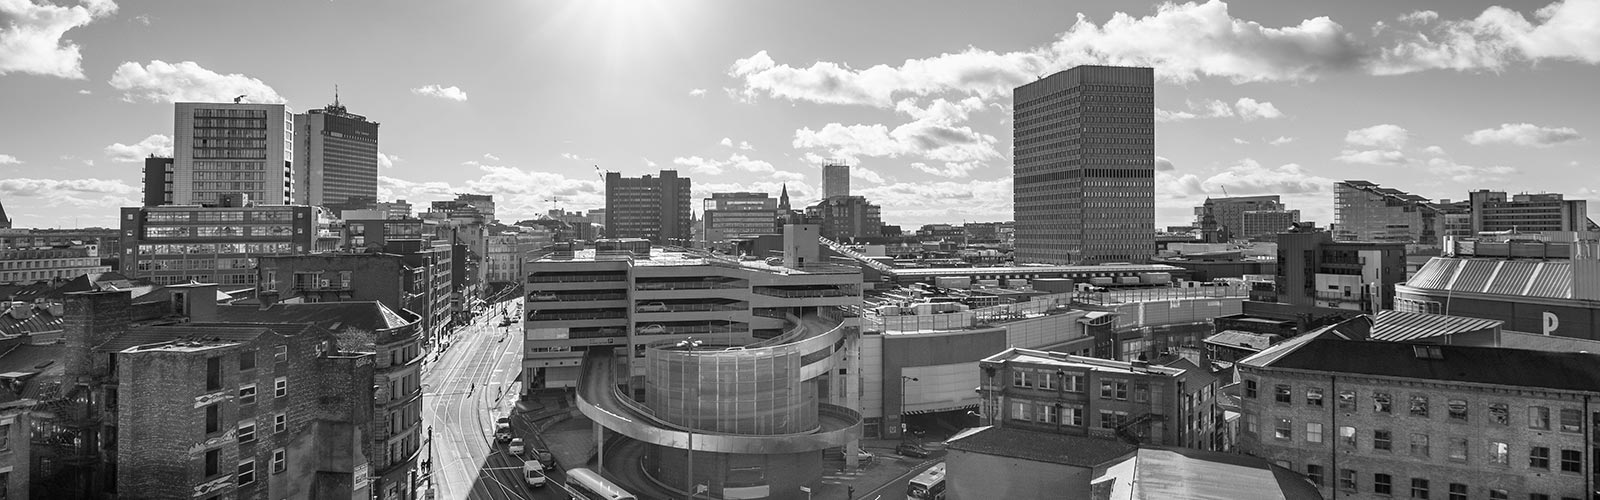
pixel 841 477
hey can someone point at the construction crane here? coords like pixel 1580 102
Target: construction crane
pixel 598 173
pixel 555 204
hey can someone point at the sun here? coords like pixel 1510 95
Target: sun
pixel 618 32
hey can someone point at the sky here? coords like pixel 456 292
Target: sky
pixel 529 101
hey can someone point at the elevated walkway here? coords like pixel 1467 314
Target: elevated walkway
pixel 857 256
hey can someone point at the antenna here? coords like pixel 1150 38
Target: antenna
pixel 335 95
pixel 1224 190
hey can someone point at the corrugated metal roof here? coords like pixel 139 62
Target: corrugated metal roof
pixel 1396 326
pixel 1435 274
pixel 1554 281
pixel 1513 277
pixel 1474 276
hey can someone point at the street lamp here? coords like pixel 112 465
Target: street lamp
pixel 903 380
pixel 691 343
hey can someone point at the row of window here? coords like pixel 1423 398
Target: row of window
pixel 1419 405
pixel 1419 445
pixel 1384 484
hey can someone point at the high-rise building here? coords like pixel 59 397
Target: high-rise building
pixel 1363 211
pixel 157 181
pixel 1223 219
pixel 1084 147
pixel 1492 211
pixel 1266 224
pixel 835 180
pixel 739 215
pixel 846 217
pixel 653 208
pixel 232 148
pixel 336 158
pixel 179 244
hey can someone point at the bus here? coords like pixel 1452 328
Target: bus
pixel 929 485
pixel 590 486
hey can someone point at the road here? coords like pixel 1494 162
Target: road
pixel 467 387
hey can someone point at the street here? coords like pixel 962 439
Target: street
pixel 467 387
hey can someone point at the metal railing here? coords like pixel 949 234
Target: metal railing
pixel 574 297
pixel 793 294
pixel 538 316
pixel 693 308
pixel 690 285
pixel 857 256
pixel 576 278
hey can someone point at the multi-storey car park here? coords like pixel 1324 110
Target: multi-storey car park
pixel 746 363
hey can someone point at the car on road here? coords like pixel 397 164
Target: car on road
pixel 657 328
pixel 502 429
pixel 862 456
pixel 911 450
pixel 533 473
pixel 653 307
pixel 516 447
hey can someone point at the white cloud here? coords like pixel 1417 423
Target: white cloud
pixel 1563 30
pixel 1523 134
pixel 1245 108
pixel 9 160
pixel 1433 150
pixel 1382 136
pixel 518 193
pixel 697 92
pixel 1381 157
pixel 736 162
pixel 742 145
pixel 452 92
pixel 726 142
pixel 1281 140
pixel 1249 177
pixel 490 157
pixel 85 92
pixel 387 161
pixel 1250 109
pixel 647 162
pixel 1163 115
pixel 915 203
pixel 1466 174
pixel 935 133
pixel 1237 140
pixel 186 81
pixel 950 169
pixel 156 144
pixel 32 43
pixel 576 157
pixel 1164 165
pixel 1419 17
pixel 68 192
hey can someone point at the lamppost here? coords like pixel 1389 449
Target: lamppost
pixel 903 427
pixel 691 343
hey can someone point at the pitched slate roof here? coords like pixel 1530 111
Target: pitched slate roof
pixel 1570 371
pixel 157 334
pixel 1079 451
pixel 335 316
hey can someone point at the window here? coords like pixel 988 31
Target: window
pixel 1458 491
pixel 247 360
pixel 280 387
pixel 1382 402
pixel 247 394
pixel 280 353
pixel 1499 453
pixel 1419 405
pixel 1538 417
pixel 1347 436
pixel 1571 420
pixel 1072 416
pixel 280 423
pixel 1019 378
pixel 1047 382
pixel 1314 396
pixel 1382 484
pixel 1250 423
pixel 280 459
pixel 213 418
pixel 1313 432
pixel 1499 413
pixel 1250 388
pixel 1347 479
pixel 1347 401
pixel 1539 457
pixel 1458 449
pixel 1282 393
pixel 1419 487
pixel 1382 440
pixel 1074 382
pixel 1021 410
pixel 1457 409
pixel 213 462
pixel 1114 389
pixel 1141 393
pixel 1419 444
pixel 1284 430
pixel 213 373
pixel 1502 495
pixel 1048 414
pixel 1314 473
pixel 247 431
pixel 247 472
pixel 5 438
pixel 1572 461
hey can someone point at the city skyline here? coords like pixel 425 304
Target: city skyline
pixel 524 101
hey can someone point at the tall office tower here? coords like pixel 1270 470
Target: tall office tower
pixel 739 215
pixel 227 148
pixel 1084 175
pixel 835 180
pixel 1492 211
pixel 653 208
pixel 337 157
pixel 157 181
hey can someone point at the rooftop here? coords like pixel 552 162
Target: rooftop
pixel 934 271
pixel 1020 355
pixel 334 316
pixel 1078 451
pixel 1568 371
pixel 1524 278
pixel 660 256
pixel 1247 340
pixel 1204 475
pixel 1396 326
pixel 192 332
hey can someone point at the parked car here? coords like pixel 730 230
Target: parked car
pixel 862 456
pixel 541 296
pixel 653 307
pixel 516 447
pixel 657 328
pixel 911 450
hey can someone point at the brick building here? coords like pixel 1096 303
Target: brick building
pixel 15 431
pixel 180 244
pixel 1079 395
pixel 31 265
pixel 1369 420
pixel 335 277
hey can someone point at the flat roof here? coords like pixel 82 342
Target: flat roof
pixel 934 271
pixel 662 257
pixel 1568 371
pixel 1079 451
pixel 1018 354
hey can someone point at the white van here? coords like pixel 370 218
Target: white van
pixel 533 473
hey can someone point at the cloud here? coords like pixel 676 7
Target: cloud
pixel 141 19
pixel 9 160
pixel 186 81
pixel 1433 150
pixel 1523 134
pixel 452 92
pixel 1249 177
pixel 1164 165
pixel 935 133
pixel 575 157
pixel 518 193
pixel 1237 140
pixel 1281 140
pixel 735 162
pixel 156 144
pixel 387 161
pixel 490 157
pixel 1466 174
pixel 915 203
pixel 1385 135
pixel 1382 157
pixel 950 169
pixel 1563 30
pixel 85 92
pixel 32 43
pixel 742 145
pixel 1245 108
pixel 647 162
pixel 697 92
pixel 91 192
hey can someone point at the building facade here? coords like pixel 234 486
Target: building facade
pixel 157 185
pixel 179 244
pixel 1266 224
pixel 1378 420
pixel 1542 296
pixel 846 217
pixel 1364 211
pixel 739 215
pixel 336 157
pixel 1084 147
pixel 228 148
pixel 653 208
pixel 1222 219
pixel 49 263
pixel 1492 211
pixel 835 180
pixel 1315 271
